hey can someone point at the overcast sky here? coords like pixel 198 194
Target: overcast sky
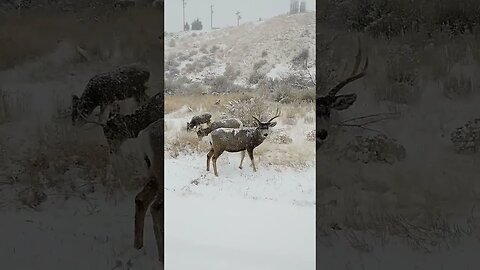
pixel 224 11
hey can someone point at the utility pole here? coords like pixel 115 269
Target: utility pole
pixel 211 17
pixel 238 17
pixel 183 2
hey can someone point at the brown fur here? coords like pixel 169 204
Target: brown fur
pixel 122 127
pixel 106 88
pixel 224 123
pixel 198 120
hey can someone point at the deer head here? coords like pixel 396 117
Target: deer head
pixel 333 101
pixel 263 127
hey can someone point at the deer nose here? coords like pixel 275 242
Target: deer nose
pixel 265 134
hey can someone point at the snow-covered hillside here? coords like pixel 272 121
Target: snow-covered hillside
pixel 273 42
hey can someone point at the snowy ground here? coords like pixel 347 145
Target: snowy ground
pixel 241 219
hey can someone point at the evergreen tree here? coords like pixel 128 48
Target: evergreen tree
pixel 197 24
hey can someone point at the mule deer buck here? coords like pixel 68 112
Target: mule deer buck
pixel 198 120
pixel 332 101
pixel 107 88
pixel 238 140
pixel 224 123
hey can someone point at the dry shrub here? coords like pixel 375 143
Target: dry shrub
pixel 245 109
pixel 12 106
pixel 185 143
pixel 402 70
pixel 199 101
pixel 294 155
pixel 457 87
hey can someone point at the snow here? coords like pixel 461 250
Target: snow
pixel 281 38
pixel 278 71
pixel 240 220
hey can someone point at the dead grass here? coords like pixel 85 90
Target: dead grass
pixel 186 143
pixel 135 33
pixel 199 101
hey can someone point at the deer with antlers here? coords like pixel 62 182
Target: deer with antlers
pixel 107 88
pixel 333 101
pixel 238 140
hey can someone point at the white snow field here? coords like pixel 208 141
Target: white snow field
pixel 240 220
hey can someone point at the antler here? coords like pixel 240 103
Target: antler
pixel 353 76
pixel 277 114
pixel 256 119
pixel 90 121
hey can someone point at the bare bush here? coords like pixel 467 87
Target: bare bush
pixel 259 64
pixel 379 148
pixel 199 65
pixel 281 138
pixel 222 84
pixel 203 49
pixel 214 49
pixel 192 53
pixel 301 57
pixel 231 73
pixel 466 139
pixel 244 109
pixel 255 77
pixel 402 77
pixel 455 87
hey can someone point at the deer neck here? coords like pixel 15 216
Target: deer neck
pixel 86 106
pixel 257 138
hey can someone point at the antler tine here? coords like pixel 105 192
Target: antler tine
pixel 91 121
pixel 358 58
pixel 354 76
pixel 256 119
pixel 277 114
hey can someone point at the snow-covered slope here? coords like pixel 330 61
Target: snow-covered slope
pixel 277 41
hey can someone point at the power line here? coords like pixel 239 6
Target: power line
pixel 211 17
pixel 183 3
pixel 238 17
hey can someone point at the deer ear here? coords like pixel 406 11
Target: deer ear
pixel 343 102
pixel 272 124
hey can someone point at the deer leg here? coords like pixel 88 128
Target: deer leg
pixel 250 154
pixel 214 159
pixel 241 160
pixel 142 201
pixel 157 211
pixel 209 156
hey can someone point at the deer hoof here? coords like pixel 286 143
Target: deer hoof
pixel 240 167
